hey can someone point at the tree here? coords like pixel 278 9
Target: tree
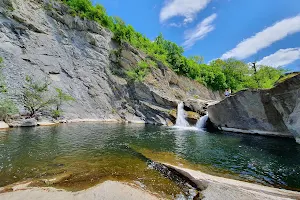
pixel 197 59
pixel 34 96
pixel 266 76
pixel 236 73
pixel 217 75
pixel 7 108
pixel 60 98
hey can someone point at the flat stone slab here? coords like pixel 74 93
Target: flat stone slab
pixel 219 188
pixel 3 125
pixel 109 190
pixel 45 123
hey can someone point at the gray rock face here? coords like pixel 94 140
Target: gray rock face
pixel 77 56
pixel 271 112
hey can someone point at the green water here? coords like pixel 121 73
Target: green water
pixel 94 152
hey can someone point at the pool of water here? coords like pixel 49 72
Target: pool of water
pixel 94 152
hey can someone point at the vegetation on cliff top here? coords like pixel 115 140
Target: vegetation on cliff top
pixel 217 75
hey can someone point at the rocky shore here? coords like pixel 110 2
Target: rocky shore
pixel 213 188
pixel 219 188
pixel 108 190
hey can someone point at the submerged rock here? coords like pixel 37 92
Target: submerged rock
pixel 57 179
pixel 273 112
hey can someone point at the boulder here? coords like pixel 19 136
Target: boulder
pixel 273 111
pixel 191 117
pixel 3 125
pixel 24 123
pixel 198 105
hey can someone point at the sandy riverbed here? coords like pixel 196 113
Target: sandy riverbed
pixel 109 190
pixel 216 188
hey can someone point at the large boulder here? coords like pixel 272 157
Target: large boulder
pixel 24 123
pixel 274 111
pixel 198 105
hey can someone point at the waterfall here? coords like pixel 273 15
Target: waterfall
pixel 181 121
pixel 201 123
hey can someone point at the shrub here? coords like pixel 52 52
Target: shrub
pixel 217 75
pixel 7 108
pixel 56 113
pixel 60 98
pixel 139 73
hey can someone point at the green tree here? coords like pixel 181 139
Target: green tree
pixel 60 98
pixel 265 77
pixel 35 96
pixel 7 109
pixel 217 75
pixel 198 59
pixel 236 73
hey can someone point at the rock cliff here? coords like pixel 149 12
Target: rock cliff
pixel 274 111
pixel 41 39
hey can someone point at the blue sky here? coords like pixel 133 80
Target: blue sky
pixel 266 31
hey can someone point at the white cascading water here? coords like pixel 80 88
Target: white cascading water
pixel 201 123
pixel 181 116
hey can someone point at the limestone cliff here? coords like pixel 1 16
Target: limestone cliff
pixel 39 38
pixel 270 112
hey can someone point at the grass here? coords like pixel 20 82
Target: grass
pixel 288 76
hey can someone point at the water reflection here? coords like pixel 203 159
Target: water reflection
pixel 96 152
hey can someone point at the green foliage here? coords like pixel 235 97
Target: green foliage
pixel 3 88
pixel 60 98
pixel 264 78
pixel 138 73
pixel 7 108
pixel 56 113
pixel 35 97
pixel 288 76
pixel 217 75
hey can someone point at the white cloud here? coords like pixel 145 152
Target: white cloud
pixel 177 25
pixel 264 38
pixel 185 8
pixel 280 58
pixel 199 32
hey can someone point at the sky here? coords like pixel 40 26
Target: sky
pixel 262 31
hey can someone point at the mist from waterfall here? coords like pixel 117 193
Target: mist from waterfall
pixel 181 116
pixel 201 123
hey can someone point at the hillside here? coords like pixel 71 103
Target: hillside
pixel 81 58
